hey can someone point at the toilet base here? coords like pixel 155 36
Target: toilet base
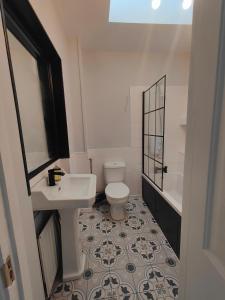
pixel 117 212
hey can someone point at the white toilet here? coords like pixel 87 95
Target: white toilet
pixel 116 191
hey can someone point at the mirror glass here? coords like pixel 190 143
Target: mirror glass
pixel 29 96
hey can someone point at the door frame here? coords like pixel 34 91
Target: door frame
pixel 210 117
pixel 8 247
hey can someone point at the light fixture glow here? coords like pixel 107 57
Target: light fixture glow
pixel 150 12
pixel 156 4
pixel 187 4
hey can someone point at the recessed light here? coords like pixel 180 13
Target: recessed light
pixel 156 4
pixel 187 4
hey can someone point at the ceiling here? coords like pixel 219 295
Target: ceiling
pixel 88 20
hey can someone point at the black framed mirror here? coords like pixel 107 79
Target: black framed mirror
pixel 36 75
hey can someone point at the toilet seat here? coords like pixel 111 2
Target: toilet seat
pixel 117 190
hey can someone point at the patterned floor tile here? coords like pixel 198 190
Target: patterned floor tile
pixel 108 255
pixel 137 200
pixel 85 229
pixel 101 256
pixel 103 227
pixel 80 287
pixel 125 297
pixel 132 207
pixel 143 251
pixel 76 295
pixel 156 282
pixel 148 295
pixel 63 290
pixel 122 285
pixel 91 217
pixel 120 237
pixel 133 224
pixel 91 242
pixel 99 286
pixel 129 259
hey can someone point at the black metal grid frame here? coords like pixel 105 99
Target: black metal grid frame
pixel 144 134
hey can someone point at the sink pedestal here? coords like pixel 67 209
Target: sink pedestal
pixel 72 255
pixel 73 192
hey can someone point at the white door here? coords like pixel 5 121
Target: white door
pixel 7 248
pixel 203 219
pixel 17 204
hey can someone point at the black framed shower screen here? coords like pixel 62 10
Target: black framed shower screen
pixel 153 117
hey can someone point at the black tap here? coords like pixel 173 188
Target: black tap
pixel 158 169
pixel 51 176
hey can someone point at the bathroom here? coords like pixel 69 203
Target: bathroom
pixel 97 171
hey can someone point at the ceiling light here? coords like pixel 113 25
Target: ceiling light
pixel 187 4
pixel 156 4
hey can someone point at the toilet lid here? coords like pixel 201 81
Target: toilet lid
pixel 117 190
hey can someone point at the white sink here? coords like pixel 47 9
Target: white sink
pixel 74 191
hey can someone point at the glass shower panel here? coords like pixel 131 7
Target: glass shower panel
pixel 151 145
pixel 158 174
pixel 151 168
pixel 151 123
pixel 146 102
pixel 146 165
pixel 146 145
pixel 160 90
pixel 152 94
pixel 159 122
pixel 153 135
pixel 146 124
pixel 159 149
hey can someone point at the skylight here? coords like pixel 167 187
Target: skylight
pixel 151 11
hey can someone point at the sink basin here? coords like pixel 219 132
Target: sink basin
pixel 73 192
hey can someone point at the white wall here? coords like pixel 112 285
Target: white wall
pixel 113 83
pixel 108 77
pixel 131 155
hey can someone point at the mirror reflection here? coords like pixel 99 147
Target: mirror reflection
pixel 30 101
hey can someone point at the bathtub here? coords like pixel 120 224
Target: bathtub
pixel 166 206
pixel 173 190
